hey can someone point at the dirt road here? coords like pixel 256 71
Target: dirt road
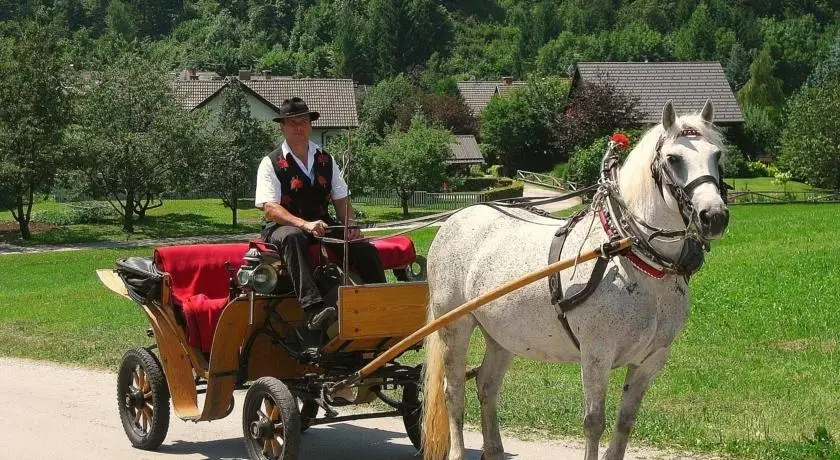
pixel 53 411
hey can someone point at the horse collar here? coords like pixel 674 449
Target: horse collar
pixel 637 260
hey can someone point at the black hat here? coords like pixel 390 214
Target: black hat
pixel 295 107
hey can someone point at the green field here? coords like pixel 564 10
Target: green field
pixel 754 374
pixel 176 218
pixel 766 184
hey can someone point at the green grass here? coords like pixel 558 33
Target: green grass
pixel 766 184
pixel 176 218
pixel 754 374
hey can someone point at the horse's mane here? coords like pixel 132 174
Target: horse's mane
pixel 636 181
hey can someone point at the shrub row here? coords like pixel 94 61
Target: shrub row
pixel 83 212
pixel 511 191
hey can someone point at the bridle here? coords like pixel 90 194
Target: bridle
pixel 618 218
pixel 664 177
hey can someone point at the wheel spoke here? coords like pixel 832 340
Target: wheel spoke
pixel 135 378
pixel 278 428
pixel 280 441
pixel 261 415
pixel 145 420
pixel 266 446
pixel 150 408
pixel 142 380
pixel 274 413
pixel 276 447
pixel 147 396
pixel 137 414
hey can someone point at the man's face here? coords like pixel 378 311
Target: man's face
pixel 297 129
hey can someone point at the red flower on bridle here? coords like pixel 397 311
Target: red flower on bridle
pixel 282 163
pixel 297 183
pixel 621 140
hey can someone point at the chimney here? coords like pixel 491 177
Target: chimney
pixel 193 75
pixel 507 81
pixel 244 75
pixel 266 74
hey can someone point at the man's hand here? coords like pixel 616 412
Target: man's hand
pixel 351 234
pixel 317 228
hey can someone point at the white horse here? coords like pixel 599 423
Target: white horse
pixel 670 179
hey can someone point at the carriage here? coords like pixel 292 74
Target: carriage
pixel 226 317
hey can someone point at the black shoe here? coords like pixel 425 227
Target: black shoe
pixel 320 319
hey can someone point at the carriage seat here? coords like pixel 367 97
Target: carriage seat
pixel 200 280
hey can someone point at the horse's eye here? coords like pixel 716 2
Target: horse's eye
pixel 673 159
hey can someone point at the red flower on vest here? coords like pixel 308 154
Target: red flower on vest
pixel 285 200
pixel 322 180
pixel 297 183
pixel 323 158
pixel 282 163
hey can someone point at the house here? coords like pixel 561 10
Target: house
pixel 688 84
pixel 477 94
pixel 465 152
pixel 334 98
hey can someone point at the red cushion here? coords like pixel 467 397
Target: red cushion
pixel 200 283
pixel 395 252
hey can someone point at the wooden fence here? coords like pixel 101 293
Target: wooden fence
pixel 545 180
pixel 759 197
pixel 425 200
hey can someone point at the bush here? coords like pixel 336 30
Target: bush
pixel 53 217
pixel 477 171
pixel 495 170
pixel 734 164
pixel 584 166
pixel 757 169
pixel 477 184
pixel 559 170
pixel 84 212
pixel 512 191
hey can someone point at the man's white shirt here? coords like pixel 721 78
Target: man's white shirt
pixel 268 185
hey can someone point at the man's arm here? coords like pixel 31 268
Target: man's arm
pixel 278 213
pixel 345 213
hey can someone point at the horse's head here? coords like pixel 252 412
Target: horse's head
pixel 686 169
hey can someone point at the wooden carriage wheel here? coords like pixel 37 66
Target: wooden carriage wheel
pixel 143 399
pixel 271 421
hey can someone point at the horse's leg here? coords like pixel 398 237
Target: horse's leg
pixel 595 373
pixel 457 339
pixel 636 383
pixel 489 382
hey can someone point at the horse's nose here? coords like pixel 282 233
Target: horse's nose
pixel 714 220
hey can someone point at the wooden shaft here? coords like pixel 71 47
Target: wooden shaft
pixel 451 316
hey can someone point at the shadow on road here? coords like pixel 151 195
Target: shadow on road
pixel 340 441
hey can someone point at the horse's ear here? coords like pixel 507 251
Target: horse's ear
pixel 669 116
pixel 708 113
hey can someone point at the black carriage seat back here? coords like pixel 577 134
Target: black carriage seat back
pixel 141 278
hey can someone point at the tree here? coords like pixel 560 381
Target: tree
pixel 133 139
pixel 446 111
pixel 517 128
pixel 379 107
pixel 737 68
pixel 414 160
pixel 809 149
pixel 828 68
pixel 34 109
pixel 593 111
pixel 763 89
pixel 234 150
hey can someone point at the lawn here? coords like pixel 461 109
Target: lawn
pixel 766 184
pixel 754 373
pixel 176 218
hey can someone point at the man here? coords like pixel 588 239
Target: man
pixel 295 184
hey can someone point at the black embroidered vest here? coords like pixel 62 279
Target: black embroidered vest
pixel 306 200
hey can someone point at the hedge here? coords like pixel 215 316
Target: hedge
pixel 512 191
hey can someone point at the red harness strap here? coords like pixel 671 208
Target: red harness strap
pixel 634 258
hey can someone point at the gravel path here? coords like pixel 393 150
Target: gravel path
pixel 55 411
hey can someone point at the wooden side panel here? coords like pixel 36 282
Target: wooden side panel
pixel 269 360
pixel 224 359
pixel 381 310
pixel 176 365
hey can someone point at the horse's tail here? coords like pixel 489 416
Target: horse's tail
pixel 435 415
